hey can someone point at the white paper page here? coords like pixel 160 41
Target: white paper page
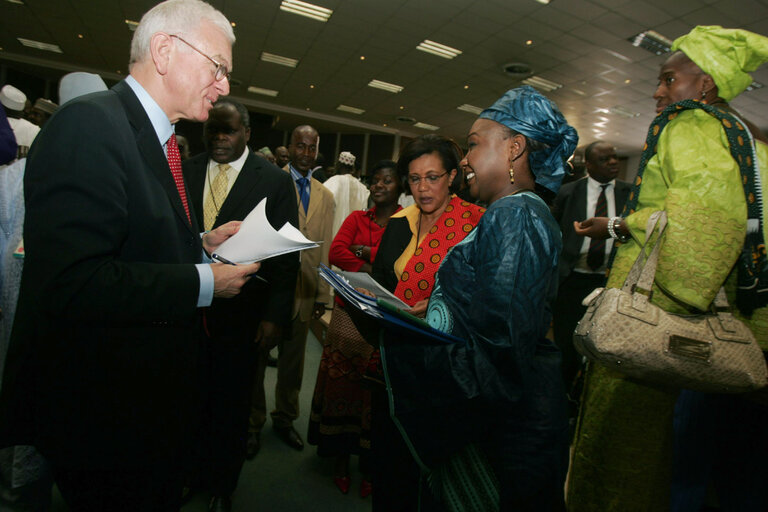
pixel 257 240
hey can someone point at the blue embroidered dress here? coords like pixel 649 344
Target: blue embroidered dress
pixel 501 390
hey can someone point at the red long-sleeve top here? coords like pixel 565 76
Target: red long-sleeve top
pixel 359 228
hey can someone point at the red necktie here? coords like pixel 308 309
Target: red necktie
pixel 174 161
pixel 596 254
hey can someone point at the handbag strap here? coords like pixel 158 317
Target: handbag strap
pixel 641 264
pixel 641 276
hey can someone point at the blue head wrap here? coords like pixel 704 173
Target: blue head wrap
pixel 526 111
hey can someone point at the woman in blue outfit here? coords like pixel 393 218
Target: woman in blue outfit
pixel 501 390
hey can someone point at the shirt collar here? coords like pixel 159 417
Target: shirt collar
pixel 235 164
pixel 296 175
pixel 595 185
pixel 160 122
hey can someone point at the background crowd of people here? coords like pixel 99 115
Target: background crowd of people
pixel 119 323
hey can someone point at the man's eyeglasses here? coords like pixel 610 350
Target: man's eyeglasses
pixel 221 69
pixel 431 179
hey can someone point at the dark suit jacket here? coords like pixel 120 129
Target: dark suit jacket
pixel 102 370
pixel 571 205
pixel 258 300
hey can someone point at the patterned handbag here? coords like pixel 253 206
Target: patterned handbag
pixel 623 330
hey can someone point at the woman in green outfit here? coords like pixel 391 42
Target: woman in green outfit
pixel 624 441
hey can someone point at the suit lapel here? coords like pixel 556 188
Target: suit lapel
pixel 151 149
pixel 314 198
pixel 194 175
pixel 247 178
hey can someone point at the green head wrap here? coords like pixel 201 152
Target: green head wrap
pixel 725 54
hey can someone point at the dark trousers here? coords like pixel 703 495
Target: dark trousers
pixel 231 365
pixel 566 313
pixel 720 439
pixel 155 488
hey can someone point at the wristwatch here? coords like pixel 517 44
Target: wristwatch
pixel 359 252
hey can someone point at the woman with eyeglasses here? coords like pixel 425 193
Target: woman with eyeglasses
pixel 414 244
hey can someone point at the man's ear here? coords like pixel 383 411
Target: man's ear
pixel 160 48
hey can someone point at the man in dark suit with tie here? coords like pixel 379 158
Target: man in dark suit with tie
pixel 103 373
pixel 225 184
pixel 582 260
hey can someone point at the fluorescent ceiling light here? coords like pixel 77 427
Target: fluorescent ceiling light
pixel 40 46
pixel 579 92
pixel 754 85
pixel 438 49
pixel 17 2
pixel 624 112
pixel 385 86
pixel 470 108
pixel 351 110
pixel 305 9
pixel 132 25
pixel 259 90
pixel 425 126
pixel 545 2
pixel 277 59
pixel 542 83
pixel 652 41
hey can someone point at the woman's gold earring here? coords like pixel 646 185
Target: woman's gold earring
pixel 511 174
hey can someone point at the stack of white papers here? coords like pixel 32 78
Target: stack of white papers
pixel 257 240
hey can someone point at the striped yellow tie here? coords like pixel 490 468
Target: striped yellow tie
pixel 216 195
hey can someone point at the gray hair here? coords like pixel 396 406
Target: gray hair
pixel 175 17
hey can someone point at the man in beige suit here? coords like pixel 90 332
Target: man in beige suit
pixel 316 209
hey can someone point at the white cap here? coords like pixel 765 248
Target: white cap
pixel 346 158
pixel 12 98
pixel 79 83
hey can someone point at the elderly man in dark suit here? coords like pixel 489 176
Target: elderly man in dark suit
pixel 225 184
pixel 582 260
pixel 104 367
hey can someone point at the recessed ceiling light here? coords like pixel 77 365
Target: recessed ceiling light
pixel 40 46
pixel 753 86
pixel 79 36
pixel 545 2
pixel 542 83
pixel 470 108
pixel 362 57
pixel 517 70
pixel 307 109
pixel 132 25
pixel 385 124
pixel 652 41
pixel 529 42
pixel 466 87
pixel 259 90
pixel 277 59
pixel 402 107
pixel 627 81
pixel 306 9
pixel 233 24
pixel 438 49
pixel 311 86
pixel 351 110
pixel 425 126
pixel 385 86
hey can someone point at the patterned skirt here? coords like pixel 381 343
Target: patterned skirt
pixel 340 417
